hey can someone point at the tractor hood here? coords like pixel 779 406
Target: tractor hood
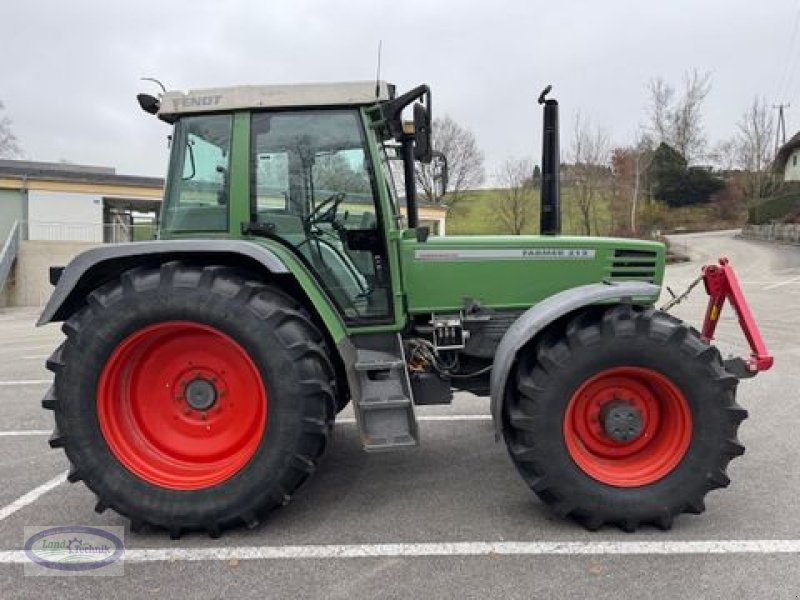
pixel 515 272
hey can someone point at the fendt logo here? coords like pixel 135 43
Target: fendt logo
pixel 196 101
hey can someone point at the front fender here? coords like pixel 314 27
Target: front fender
pixel 538 317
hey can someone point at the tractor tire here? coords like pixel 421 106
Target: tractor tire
pixel 622 416
pixel 190 398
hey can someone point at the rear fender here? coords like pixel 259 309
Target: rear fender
pixel 98 265
pixel 537 318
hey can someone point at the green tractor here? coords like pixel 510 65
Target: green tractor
pixel 202 372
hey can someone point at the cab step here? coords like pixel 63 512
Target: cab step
pixel 383 404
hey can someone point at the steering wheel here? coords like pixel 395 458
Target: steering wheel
pixel 326 210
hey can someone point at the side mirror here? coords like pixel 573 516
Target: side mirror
pixel 441 173
pixel 423 148
pixel 149 103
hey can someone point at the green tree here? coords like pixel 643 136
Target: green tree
pixel 668 171
pixel 677 184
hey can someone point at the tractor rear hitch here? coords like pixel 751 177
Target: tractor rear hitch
pixel 722 284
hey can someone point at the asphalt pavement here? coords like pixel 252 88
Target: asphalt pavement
pixel 450 518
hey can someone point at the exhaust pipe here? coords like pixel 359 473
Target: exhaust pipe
pixel 550 217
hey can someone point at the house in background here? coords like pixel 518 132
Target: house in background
pixel 78 203
pixel 787 161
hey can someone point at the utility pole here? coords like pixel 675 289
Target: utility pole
pixel 780 131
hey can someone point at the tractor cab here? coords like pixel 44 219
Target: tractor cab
pixel 309 167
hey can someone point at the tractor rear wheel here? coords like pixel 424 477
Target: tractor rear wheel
pixel 622 416
pixel 190 398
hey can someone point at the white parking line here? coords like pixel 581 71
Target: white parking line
pixel 32 496
pixel 26 382
pixel 35 357
pixel 781 284
pixel 25 432
pixel 11 346
pixel 312 552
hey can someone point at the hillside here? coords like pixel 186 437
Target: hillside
pixel 476 213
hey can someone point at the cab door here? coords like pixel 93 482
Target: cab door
pixel 313 187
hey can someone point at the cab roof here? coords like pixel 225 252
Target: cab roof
pixel 352 93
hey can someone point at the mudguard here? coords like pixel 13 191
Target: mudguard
pixel 89 264
pixel 538 317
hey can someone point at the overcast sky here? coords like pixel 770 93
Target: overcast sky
pixel 69 70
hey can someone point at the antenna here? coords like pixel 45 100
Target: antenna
pixel 378 74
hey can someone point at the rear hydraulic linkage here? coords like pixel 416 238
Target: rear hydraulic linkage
pixel 722 284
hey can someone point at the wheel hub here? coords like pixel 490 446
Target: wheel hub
pixel 622 421
pixel 200 394
pixel 627 426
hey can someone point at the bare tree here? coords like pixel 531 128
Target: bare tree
pixel 590 155
pixel 643 158
pixel 677 120
pixel 689 136
pixel 464 157
pixel 724 155
pixel 516 204
pixel 661 101
pixel 9 147
pixel 334 173
pixel 752 148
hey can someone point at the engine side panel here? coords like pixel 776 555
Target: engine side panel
pixel 516 272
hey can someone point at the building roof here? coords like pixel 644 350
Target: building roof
pixel 46 171
pixel 779 164
pixel 351 93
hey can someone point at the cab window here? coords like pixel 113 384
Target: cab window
pixel 198 196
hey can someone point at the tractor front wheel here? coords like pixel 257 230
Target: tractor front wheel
pixel 622 416
pixel 190 398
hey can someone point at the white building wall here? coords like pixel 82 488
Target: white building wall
pixel 792 170
pixel 60 216
pixel 30 284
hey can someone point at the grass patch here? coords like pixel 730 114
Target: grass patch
pixel 475 213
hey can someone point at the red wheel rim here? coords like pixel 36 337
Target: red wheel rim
pixel 181 405
pixel 666 427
